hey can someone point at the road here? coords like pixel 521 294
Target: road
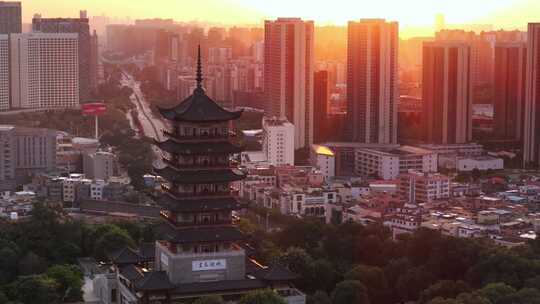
pixel 151 126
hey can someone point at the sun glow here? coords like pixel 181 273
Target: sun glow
pixel 409 13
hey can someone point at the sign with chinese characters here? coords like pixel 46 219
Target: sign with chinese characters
pixel 209 265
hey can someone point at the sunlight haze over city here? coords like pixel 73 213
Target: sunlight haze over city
pixel 500 13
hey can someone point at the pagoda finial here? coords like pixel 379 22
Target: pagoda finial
pixel 199 69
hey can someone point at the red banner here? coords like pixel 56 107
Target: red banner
pixel 93 108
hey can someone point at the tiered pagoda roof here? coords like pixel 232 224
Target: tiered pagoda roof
pixel 202 234
pixel 201 176
pixel 198 107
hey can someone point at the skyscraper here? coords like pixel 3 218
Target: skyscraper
pixel 288 75
pixel 320 107
pixel 4 72
pixel 372 81
pixel 509 89
pixel 531 133
pixel 81 27
pixel 446 90
pixel 10 17
pixel 44 70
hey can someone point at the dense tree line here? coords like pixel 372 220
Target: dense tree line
pixel 351 263
pixel 38 255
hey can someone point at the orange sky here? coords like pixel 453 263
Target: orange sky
pixel 500 13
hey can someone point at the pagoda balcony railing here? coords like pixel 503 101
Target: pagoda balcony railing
pixel 233 250
pixel 199 166
pixel 231 192
pixel 196 224
pixel 199 136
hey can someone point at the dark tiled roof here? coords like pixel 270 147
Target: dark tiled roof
pixel 125 255
pixel 131 273
pixel 200 176
pixel 220 286
pixel 207 204
pixel 198 108
pixel 147 251
pixel 204 234
pixel 155 280
pixel 193 148
pixel 277 272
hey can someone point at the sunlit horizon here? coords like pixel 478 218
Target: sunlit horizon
pixel 415 16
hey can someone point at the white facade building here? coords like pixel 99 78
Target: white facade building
pixel 482 163
pixel 278 141
pixel 4 72
pixel 388 163
pixel 44 70
pixel 288 74
pixel 324 159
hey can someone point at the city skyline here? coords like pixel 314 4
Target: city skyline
pixel 416 17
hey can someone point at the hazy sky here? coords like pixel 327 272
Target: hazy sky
pixel 500 13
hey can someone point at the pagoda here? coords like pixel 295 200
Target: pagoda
pixel 202 240
pixel 202 252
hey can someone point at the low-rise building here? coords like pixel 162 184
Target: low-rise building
pixel 388 163
pixel 416 187
pixel 99 165
pixel 324 159
pixel 482 163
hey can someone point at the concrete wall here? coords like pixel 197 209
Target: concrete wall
pixel 180 266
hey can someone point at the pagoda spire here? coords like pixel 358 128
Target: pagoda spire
pixel 199 69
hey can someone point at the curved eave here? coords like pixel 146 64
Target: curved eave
pixel 172 115
pixel 199 176
pixel 202 234
pixel 174 147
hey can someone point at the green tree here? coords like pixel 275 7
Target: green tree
pixel 533 282
pixel 472 298
pixel 35 290
pixel 441 300
pixel 373 278
pixel 496 291
pixel 296 259
pixel 319 297
pixel 444 289
pixel 31 263
pixel 69 279
pixel 112 240
pixel 321 275
pixel 523 296
pixel 348 292
pixel 413 282
pixel 503 267
pixel 209 300
pixel 9 257
pixel 262 297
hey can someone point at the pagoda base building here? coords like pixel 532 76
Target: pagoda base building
pixel 203 251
